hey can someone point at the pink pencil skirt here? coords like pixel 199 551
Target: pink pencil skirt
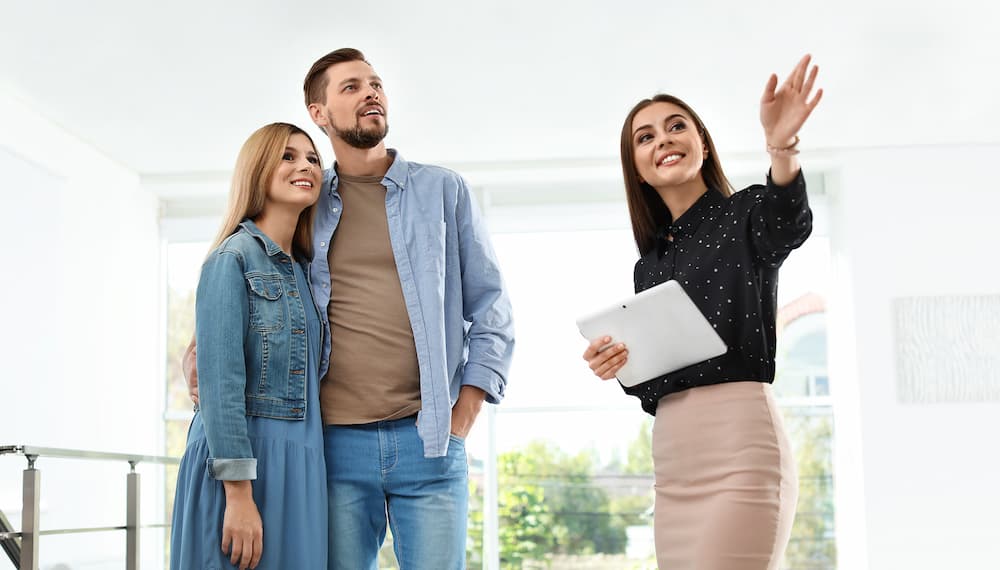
pixel 726 483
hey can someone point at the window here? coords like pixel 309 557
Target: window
pixel 183 264
pixel 574 468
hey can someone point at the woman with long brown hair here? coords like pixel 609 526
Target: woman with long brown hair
pixel 725 478
pixel 251 489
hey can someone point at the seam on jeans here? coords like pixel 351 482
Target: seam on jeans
pixel 397 542
pixel 395 450
pixel 388 448
pixel 380 438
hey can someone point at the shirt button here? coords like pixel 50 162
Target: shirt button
pixel 335 210
pixel 322 244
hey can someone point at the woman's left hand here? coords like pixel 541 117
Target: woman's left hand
pixel 783 112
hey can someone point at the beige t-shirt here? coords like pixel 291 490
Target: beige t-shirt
pixel 373 371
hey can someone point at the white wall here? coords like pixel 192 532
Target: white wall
pixel 80 342
pixel 916 221
pixel 80 360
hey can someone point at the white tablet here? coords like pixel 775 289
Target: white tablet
pixel 662 329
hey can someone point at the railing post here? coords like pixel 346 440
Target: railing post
pixel 30 523
pixel 132 520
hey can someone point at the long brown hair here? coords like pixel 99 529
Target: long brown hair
pixel 255 167
pixel 645 206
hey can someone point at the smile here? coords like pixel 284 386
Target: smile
pixel 670 159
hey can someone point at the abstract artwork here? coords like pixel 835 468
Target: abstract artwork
pixel 948 348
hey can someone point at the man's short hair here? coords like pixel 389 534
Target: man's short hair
pixel 316 80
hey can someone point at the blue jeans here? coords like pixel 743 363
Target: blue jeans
pixel 377 474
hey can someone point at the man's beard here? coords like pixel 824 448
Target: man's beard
pixel 359 137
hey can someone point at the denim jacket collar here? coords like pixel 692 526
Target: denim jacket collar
pixel 398 173
pixel 269 246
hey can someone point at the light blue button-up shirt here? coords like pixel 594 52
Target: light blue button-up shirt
pixel 454 294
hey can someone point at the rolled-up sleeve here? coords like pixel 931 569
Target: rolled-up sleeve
pixel 485 303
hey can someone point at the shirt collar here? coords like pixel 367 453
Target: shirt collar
pixel 398 173
pixel 685 226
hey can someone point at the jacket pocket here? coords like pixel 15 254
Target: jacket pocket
pixel 268 310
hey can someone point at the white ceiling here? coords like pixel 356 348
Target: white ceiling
pixel 174 87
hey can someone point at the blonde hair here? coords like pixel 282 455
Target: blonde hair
pixel 255 167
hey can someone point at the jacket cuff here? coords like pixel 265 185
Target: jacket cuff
pixel 232 469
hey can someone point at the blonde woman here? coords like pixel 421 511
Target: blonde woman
pixel 251 490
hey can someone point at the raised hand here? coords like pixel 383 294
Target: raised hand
pixel 783 112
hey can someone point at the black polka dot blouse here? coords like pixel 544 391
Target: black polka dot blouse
pixel 725 253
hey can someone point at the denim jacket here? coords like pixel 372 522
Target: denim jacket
pixel 455 297
pixel 250 332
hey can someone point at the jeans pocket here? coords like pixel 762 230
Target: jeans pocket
pixel 457 459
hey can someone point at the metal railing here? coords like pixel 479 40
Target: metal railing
pixel 22 547
pixel 12 546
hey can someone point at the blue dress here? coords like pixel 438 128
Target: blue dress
pixel 290 489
